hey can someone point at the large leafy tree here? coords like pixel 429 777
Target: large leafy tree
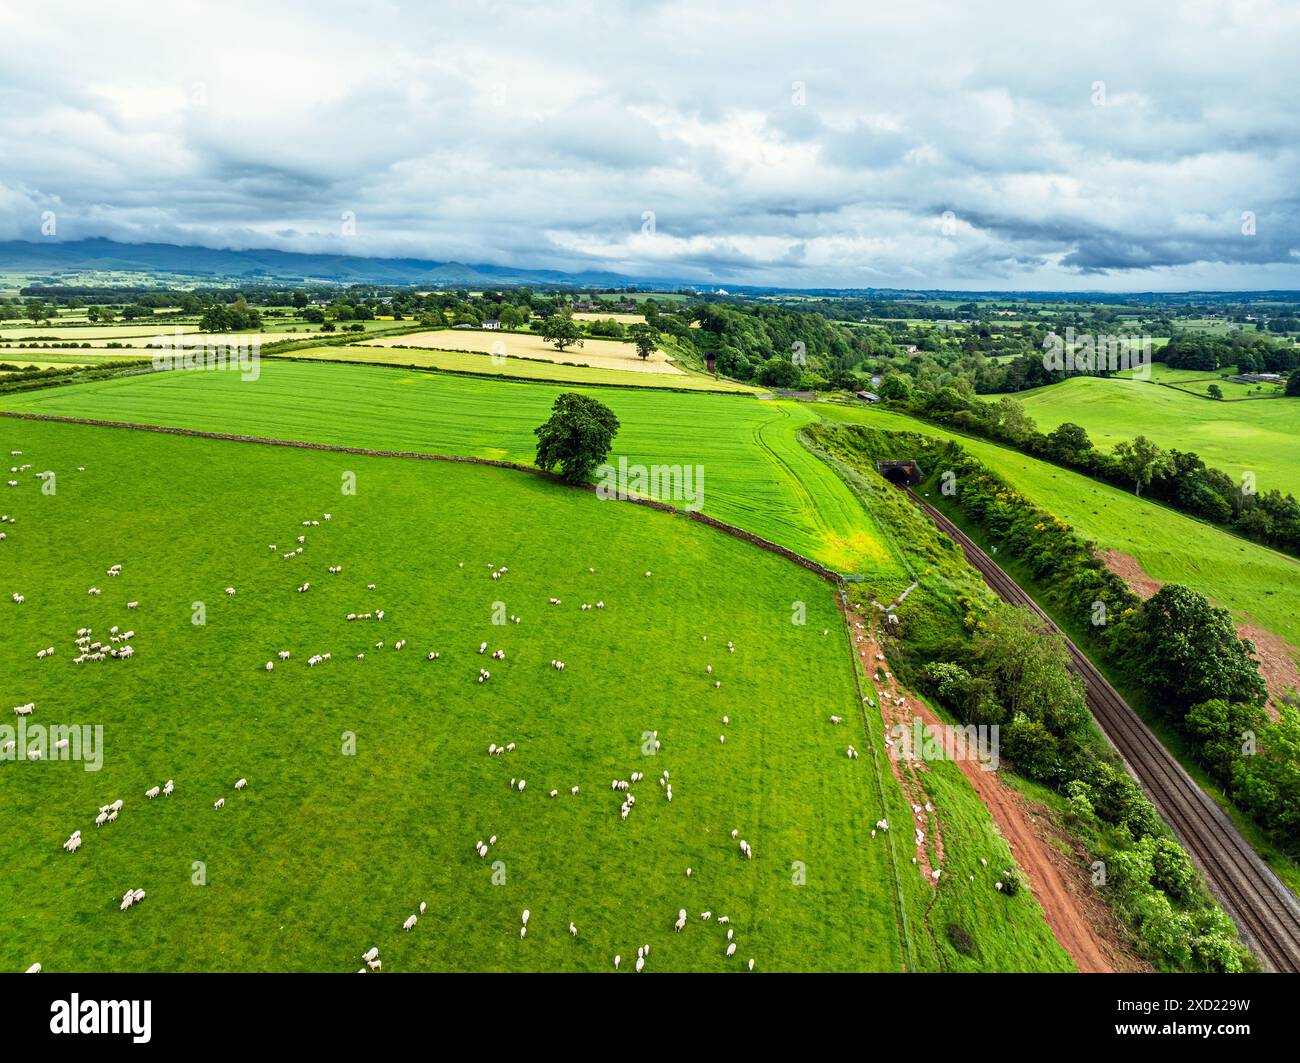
pixel 561 331
pixel 1188 651
pixel 895 386
pixel 1140 461
pixel 646 338
pixel 779 373
pixel 1067 442
pixel 1028 665
pixel 577 437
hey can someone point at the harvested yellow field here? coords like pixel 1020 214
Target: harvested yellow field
pixel 600 354
pixel 140 338
pixel 87 333
pixel 194 339
pixel 31 355
pixel 517 368
pixel 37 365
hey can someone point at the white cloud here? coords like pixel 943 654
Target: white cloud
pixel 801 145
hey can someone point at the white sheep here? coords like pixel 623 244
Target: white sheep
pixel 410 922
pixel 220 802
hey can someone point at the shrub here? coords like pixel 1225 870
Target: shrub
pixel 960 939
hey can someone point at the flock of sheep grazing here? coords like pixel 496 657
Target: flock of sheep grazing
pixel 119 646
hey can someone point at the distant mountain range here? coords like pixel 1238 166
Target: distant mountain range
pixel 265 265
pixel 199 265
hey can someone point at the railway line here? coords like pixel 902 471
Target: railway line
pixel 1266 913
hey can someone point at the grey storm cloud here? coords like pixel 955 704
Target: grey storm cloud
pixel 1098 145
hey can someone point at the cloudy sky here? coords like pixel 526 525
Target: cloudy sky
pixel 1094 145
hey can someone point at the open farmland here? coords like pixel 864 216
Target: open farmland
pixel 1237 437
pixel 1160 373
pixel 422 726
pixel 756 473
pixel 96 334
pixel 621 318
pixel 1259 585
pixel 281 878
pixel 598 353
pixel 519 368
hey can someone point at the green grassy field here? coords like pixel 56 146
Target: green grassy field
pixel 1160 373
pixel 326 854
pixel 518 368
pixel 369 779
pixel 1237 437
pixel 756 473
pixel 1257 584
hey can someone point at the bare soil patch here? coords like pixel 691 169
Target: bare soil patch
pixel 1085 927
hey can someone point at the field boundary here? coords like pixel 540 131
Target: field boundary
pixel 291 357
pixel 864 711
pixel 816 567
pixel 835 579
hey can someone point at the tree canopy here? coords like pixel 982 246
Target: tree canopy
pixel 577 437
pixel 561 331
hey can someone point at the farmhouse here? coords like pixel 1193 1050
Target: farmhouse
pixel 492 323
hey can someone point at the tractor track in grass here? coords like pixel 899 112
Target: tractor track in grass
pixel 1266 913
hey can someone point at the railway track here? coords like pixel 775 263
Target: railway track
pixel 1266 913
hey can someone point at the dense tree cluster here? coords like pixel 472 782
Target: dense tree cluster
pixel 1179 479
pixel 1181 651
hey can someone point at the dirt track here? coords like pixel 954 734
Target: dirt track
pixel 1266 913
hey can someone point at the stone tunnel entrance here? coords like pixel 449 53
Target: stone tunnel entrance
pixel 903 473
